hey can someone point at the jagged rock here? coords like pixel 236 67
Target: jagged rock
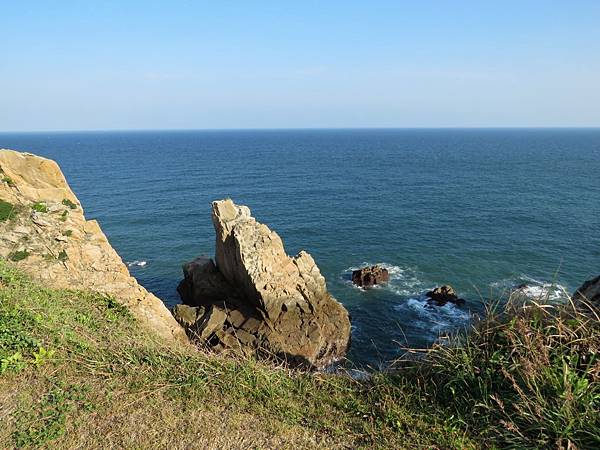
pixel 187 315
pixel 444 294
pixel 274 303
pixel 589 292
pixel 370 276
pixel 82 258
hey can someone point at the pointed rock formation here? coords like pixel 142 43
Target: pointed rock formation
pixel 257 298
pixel 44 232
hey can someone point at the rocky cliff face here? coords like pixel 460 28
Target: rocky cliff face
pixel 43 231
pixel 257 298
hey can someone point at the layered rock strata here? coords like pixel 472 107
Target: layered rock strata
pixel 256 298
pixel 43 231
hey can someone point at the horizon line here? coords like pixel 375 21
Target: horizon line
pixel 125 130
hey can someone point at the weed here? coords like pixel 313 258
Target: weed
pixel 8 180
pixel 69 203
pixel 62 256
pixel 19 255
pixel 7 210
pixel 67 233
pixel 40 207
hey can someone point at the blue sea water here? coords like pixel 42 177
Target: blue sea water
pixel 483 210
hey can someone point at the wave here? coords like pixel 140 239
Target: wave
pixel 433 320
pixel 534 289
pixel 137 263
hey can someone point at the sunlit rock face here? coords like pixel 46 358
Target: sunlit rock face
pixel 256 298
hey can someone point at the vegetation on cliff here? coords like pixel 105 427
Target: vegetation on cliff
pixel 78 370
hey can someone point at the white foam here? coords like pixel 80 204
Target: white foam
pixel 538 290
pixel 434 320
pixel 137 263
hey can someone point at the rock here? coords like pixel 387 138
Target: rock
pixel 274 303
pixel 370 276
pixel 187 315
pixel 589 292
pixel 444 294
pixel 85 261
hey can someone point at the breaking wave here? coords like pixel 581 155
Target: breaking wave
pixel 137 263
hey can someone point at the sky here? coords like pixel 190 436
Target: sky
pixel 73 65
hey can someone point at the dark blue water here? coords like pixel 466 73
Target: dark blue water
pixel 480 209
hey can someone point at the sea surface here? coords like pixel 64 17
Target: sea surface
pixel 481 209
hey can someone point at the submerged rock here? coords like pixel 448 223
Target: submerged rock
pixel 269 303
pixel 444 294
pixel 370 276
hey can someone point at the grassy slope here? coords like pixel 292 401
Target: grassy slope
pixel 77 371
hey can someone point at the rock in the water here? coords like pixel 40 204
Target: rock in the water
pixel 270 303
pixel 370 276
pixel 65 250
pixel 444 294
pixel 589 292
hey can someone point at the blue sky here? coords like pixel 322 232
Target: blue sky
pixel 275 64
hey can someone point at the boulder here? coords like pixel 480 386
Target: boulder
pixel 370 276
pixel 444 294
pixel 273 304
pixel 589 292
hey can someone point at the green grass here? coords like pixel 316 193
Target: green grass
pixel 78 371
pixel 69 203
pixel 76 359
pixel 8 180
pixel 526 377
pixel 7 210
pixel 19 255
pixel 40 207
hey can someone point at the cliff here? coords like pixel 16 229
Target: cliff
pixel 43 230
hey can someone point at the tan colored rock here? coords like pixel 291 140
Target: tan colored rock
pixel 84 260
pixel 280 303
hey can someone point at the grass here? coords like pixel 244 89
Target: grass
pixel 7 210
pixel 528 376
pixel 69 203
pixel 19 255
pixel 78 371
pixel 40 207
pixel 9 181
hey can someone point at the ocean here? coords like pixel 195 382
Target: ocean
pixel 481 209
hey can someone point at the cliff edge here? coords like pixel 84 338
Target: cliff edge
pixel 44 232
